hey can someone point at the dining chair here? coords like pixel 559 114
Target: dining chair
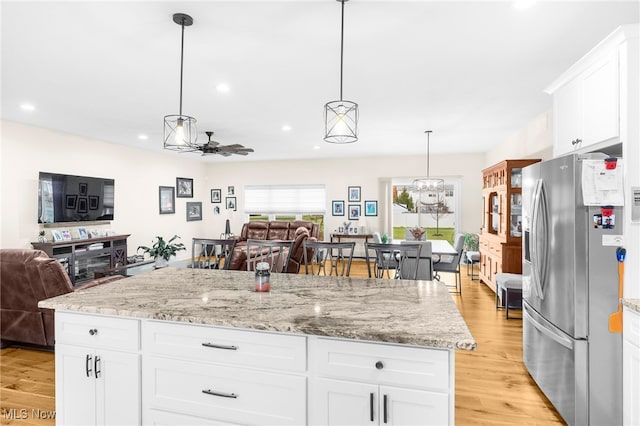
pixel 425 260
pixel 452 265
pixel 393 257
pixel 320 255
pixel 208 253
pixel 275 252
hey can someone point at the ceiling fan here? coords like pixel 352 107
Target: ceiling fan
pixel 213 147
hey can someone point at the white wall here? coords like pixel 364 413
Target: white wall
pixel 26 150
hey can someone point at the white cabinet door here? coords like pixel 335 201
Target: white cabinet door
pixel 338 402
pixel 567 109
pixel 601 100
pixel 117 388
pixel 631 391
pixel 75 386
pixel 400 406
pixel 97 387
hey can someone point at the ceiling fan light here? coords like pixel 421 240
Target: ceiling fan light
pixel 180 133
pixel 341 122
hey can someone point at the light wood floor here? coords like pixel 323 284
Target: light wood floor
pixel 492 384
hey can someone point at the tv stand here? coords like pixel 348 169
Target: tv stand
pixel 81 258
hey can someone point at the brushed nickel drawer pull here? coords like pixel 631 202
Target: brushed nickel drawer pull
pixel 222 394
pixel 213 345
pixel 93 331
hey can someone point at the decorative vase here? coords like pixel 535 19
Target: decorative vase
pixel 161 262
pixel 42 239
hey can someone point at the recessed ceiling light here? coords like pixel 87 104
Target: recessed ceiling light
pixel 27 107
pixel 143 137
pixel 286 128
pixel 523 4
pixel 316 147
pixel 223 87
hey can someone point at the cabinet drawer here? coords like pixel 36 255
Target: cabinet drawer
pixel 224 393
pixel 631 328
pixel 381 364
pixel 228 346
pixel 97 331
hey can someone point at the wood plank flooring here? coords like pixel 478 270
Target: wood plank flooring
pixel 492 384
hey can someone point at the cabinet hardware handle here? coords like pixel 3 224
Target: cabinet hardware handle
pixel 222 394
pixel 93 331
pixel 379 365
pixel 578 141
pixel 213 345
pixel 87 365
pixel 384 409
pixel 371 406
pixel 96 366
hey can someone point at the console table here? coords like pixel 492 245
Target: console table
pixel 81 258
pixel 365 237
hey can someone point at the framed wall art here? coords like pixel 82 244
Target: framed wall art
pixel 216 195
pixel 354 211
pixel 194 211
pixel 184 187
pixel 167 198
pixel 337 208
pixel 371 208
pixel 231 203
pixel 354 193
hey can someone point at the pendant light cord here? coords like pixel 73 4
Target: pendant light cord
pixel 181 64
pixel 428 132
pixel 341 46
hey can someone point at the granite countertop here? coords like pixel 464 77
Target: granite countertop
pixel 394 311
pixel 633 304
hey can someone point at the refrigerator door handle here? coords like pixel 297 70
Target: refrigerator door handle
pixel 538 242
pixel 561 340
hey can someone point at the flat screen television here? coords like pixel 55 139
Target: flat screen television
pixel 69 198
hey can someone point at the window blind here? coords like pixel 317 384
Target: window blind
pixel 268 199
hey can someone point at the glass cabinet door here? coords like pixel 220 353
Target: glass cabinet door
pixel 516 178
pixel 494 215
pixel 515 218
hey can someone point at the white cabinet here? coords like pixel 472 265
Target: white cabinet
pixel 590 99
pixel 631 368
pixel 223 375
pixel 96 385
pixel 359 383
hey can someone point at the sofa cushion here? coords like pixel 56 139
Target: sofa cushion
pixel 255 230
pixel 278 230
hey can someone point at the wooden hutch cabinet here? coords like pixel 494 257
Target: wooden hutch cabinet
pixel 501 233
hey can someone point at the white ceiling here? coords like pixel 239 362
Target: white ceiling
pixel 473 72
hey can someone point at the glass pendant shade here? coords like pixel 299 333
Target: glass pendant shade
pixel 180 133
pixel 341 122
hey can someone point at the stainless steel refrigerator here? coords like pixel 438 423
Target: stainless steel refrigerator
pixel 570 287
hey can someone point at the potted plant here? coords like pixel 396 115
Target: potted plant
pixel 41 237
pixel 471 244
pixel 162 250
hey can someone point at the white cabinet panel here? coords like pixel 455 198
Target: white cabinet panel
pixel 413 407
pixel 631 368
pixel 97 331
pixel 75 386
pixel 339 402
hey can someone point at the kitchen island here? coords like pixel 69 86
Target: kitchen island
pixel 184 346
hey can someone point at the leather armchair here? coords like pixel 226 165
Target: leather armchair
pixel 26 277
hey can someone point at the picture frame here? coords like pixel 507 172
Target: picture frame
pixel 231 190
pixel 371 208
pixel 354 211
pixel 83 205
pixel 354 193
pixel 231 203
pixel 66 235
pixel 94 202
pixel 57 236
pixel 184 187
pixel 216 210
pixel 216 195
pixel 337 208
pixel 194 210
pixel 166 199
pixel 82 233
pixel 83 188
pixel 71 201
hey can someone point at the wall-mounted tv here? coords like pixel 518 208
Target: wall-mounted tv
pixel 69 198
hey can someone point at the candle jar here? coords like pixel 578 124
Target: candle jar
pixel 263 277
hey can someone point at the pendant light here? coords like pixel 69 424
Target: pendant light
pixel 180 133
pixel 431 187
pixel 341 117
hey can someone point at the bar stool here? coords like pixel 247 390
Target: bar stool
pixel 509 291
